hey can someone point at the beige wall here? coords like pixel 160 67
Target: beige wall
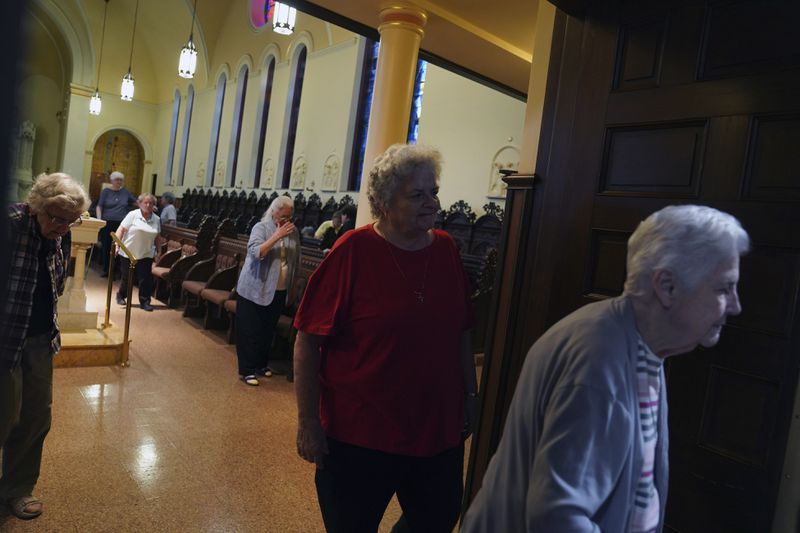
pixel 469 123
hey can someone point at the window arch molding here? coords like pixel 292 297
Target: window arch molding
pixel 304 38
pixel 271 50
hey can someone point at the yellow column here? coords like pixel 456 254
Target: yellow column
pixel 401 32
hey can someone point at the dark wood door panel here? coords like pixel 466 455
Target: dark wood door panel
pixel 642 140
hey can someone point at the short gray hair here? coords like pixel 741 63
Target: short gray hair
pixel 397 163
pixel 59 190
pixel 689 240
pixel 147 195
pixel 116 174
pixel 169 197
pixel 277 204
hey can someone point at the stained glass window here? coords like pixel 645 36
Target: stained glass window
pixel 260 12
pixel 173 132
pixel 294 112
pixel 416 102
pixel 362 119
pixel 187 122
pixel 266 99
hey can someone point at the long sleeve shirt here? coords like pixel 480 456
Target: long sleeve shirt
pixel 25 242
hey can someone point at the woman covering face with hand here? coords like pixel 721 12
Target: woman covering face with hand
pixel 273 256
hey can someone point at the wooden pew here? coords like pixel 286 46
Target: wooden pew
pixel 169 271
pixel 210 295
pixel 201 271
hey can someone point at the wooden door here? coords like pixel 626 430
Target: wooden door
pixel 698 103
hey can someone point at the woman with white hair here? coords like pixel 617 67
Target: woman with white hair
pixel 112 206
pixel 273 257
pixel 585 443
pixel 384 373
pixel 140 232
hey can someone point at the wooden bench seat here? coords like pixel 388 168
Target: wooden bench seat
pixel 171 269
pixel 209 283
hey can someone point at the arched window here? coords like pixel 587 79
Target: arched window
pixel 215 122
pixel 416 102
pixel 263 117
pixel 236 126
pixel 367 76
pixel 173 132
pixel 292 112
pixel 187 122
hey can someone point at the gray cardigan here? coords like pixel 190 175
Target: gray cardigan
pixel 259 276
pixel 571 452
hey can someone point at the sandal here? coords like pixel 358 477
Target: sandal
pixel 19 507
pixel 251 380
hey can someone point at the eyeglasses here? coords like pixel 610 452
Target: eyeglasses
pixel 58 221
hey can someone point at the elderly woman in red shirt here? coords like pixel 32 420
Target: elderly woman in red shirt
pixel 384 372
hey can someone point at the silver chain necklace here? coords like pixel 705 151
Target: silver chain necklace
pixel 418 294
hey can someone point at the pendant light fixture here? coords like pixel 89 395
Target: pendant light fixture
pixel 95 104
pixel 283 17
pixel 126 91
pixel 188 60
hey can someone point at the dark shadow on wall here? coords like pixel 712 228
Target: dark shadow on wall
pixel 11 44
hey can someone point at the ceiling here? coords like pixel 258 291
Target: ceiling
pixel 491 39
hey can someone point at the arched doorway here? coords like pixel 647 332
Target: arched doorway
pixel 119 150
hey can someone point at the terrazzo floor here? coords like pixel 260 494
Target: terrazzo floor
pixel 175 442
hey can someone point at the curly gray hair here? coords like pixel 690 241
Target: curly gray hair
pixel 689 240
pixel 398 162
pixel 58 190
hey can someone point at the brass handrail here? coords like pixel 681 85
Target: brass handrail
pixel 133 260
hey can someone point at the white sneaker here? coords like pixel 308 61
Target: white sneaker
pixel 250 380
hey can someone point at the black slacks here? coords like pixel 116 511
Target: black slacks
pixel 143 275
pixel 255 330
pixel 105 240
pixel 356 484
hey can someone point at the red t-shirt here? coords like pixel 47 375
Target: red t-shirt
pixel 391 372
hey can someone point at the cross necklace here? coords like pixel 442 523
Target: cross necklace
pixel 418 294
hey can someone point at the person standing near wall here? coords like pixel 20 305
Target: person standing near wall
pixel 112 206
pixel 29 335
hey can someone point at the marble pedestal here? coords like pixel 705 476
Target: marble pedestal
pixel 72 313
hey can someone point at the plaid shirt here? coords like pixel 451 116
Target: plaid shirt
pixel 24 242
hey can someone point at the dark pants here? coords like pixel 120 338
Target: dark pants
pixel 255 330
pixel 26 398
pixel 105 240
pixel 143 275
pixel 356 484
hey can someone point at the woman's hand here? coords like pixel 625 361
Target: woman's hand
pixel 312 445
pixel 284 230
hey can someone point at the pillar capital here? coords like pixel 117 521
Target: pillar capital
pixel 402 15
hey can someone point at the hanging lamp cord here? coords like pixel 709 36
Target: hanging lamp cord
pixel 133 35
pixel 102 42
pixel 194 14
